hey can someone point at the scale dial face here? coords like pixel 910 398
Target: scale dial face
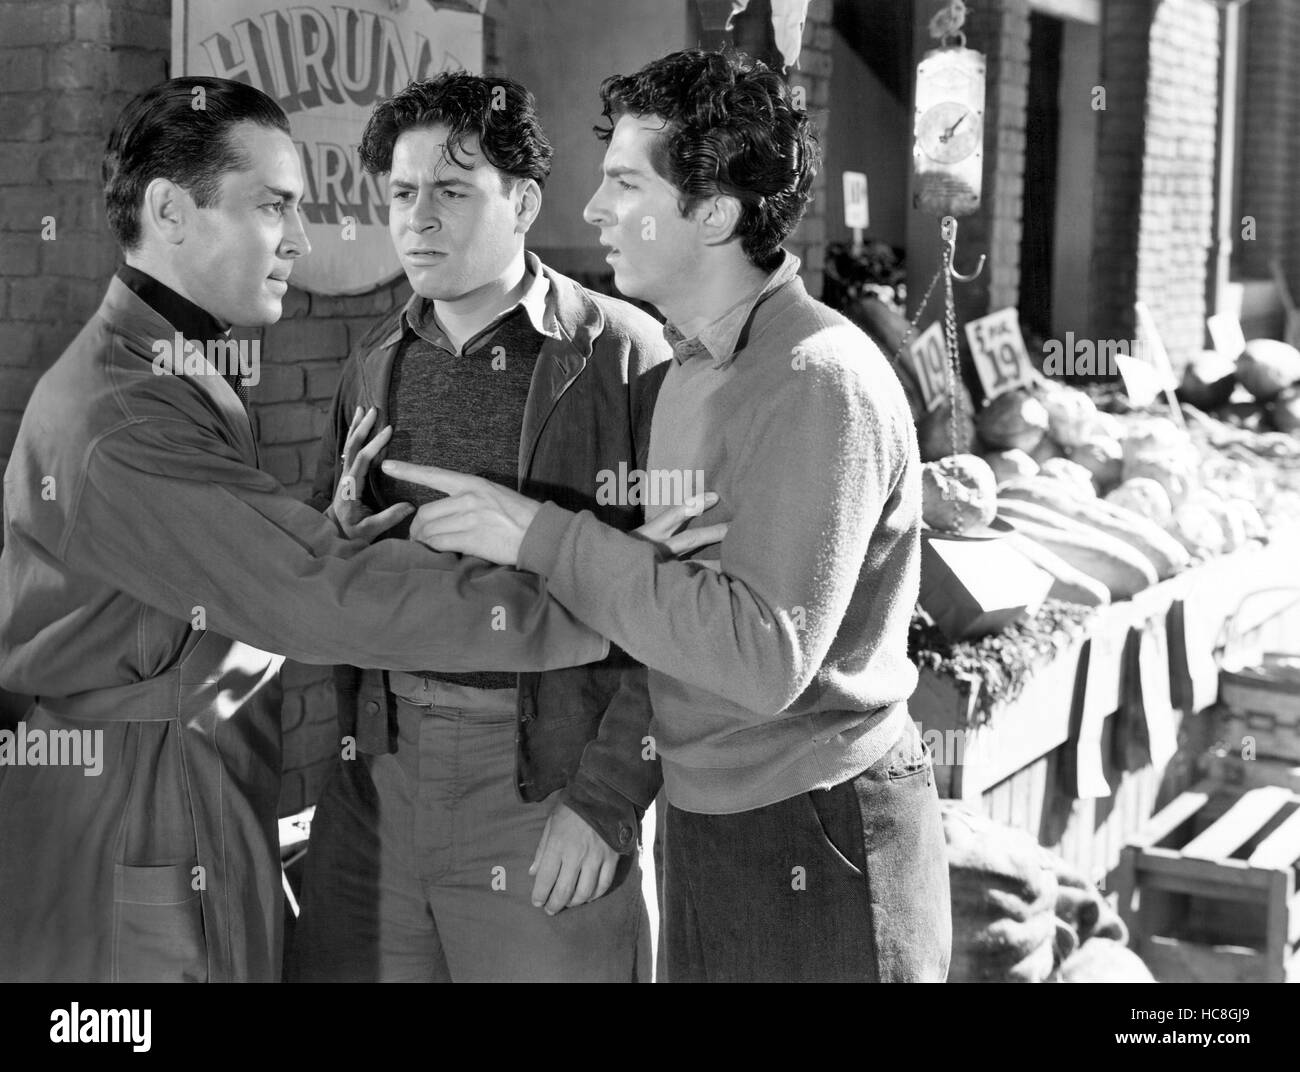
pixel 948 132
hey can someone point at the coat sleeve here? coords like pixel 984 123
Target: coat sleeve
pixel 328 461
pixel 168 513
pixel 620 772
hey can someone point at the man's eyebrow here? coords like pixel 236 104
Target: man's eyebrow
pixel 287 195
pixel 618 170
pixel 437 184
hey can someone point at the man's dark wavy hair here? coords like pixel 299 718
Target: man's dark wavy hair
pixel 731 128
pixel 500 112
pixel 172 132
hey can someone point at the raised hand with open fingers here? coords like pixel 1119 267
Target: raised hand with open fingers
pixel 355 519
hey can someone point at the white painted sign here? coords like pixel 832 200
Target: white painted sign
pixel 1226 334
pixel 1153 347
pixel 856 213
pixel 327 64
pixel 999 352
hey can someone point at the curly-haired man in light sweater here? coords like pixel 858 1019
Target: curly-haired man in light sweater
pixel 803 838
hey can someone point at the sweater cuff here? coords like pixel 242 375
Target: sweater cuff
pixel 540 547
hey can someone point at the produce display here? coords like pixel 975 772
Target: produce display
pixel 1106 499
pixel 1110 503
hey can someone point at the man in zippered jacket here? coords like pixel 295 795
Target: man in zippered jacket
pixel 154 578
pixel 421 847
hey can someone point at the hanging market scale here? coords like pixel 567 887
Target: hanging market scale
pixel 948 164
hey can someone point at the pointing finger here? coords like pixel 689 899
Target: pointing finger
pixel 429 476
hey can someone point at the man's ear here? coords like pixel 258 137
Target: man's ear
pixel 718 218
pixel 528 204
pixel 165 210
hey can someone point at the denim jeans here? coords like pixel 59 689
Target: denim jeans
pixel 842 884
pixel 417 871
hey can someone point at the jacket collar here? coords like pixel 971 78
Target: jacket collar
pixel 563 356
pixel 131 317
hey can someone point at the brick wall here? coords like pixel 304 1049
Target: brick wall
pixel 1156 159
pixel 66 69
pixel 1001 31
pixel 1270 85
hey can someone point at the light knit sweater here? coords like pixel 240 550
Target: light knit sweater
pixel 784 668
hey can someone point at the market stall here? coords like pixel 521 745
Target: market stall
pixel 1092 563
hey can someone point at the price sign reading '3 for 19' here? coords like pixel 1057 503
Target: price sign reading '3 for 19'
pixel 930 360
pixel 999 352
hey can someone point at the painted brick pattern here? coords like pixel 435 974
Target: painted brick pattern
pixel 1156 158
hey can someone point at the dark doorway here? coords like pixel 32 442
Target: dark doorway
pixel 1042 131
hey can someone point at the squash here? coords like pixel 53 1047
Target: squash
pixel 1146 498
pixel 1015 419
pixel 1047 449
pixel 1068 584
pixel 1163 551
pixel 934 429
pixel 1266 367
pixel 1069 413
pixel 1123 570
pixel 1104 460
pixel 1284 410
pixel 1074 474
pixel 1171 472
pixel 958 494
pixel 1010 464
pixel 1197 529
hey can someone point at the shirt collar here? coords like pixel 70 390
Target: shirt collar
pixel 720 337
pixel 537 302
pixel 192 321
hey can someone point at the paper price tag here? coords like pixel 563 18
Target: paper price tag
pixel 856 212
pixel 1152 347
pixel 930 360
pixel 1225 331
pixel 999 352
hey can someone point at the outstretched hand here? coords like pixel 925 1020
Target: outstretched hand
pixel 478 517
pixel 485 519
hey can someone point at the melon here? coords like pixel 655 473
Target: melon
pixel 1015 419
pixel 958 493
pixel 1267 367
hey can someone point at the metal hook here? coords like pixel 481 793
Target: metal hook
pixel 948 230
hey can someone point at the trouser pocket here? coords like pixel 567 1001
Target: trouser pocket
pixel 906 863
pixel 158 924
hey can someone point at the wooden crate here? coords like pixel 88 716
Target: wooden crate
pixel 1234 772
pixel 1208 886
pixel 1264 704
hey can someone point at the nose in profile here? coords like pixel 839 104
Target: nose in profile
pixel 595 212
pixel 295 242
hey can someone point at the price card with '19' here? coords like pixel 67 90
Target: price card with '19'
pixel 930 360
pixel 999 352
